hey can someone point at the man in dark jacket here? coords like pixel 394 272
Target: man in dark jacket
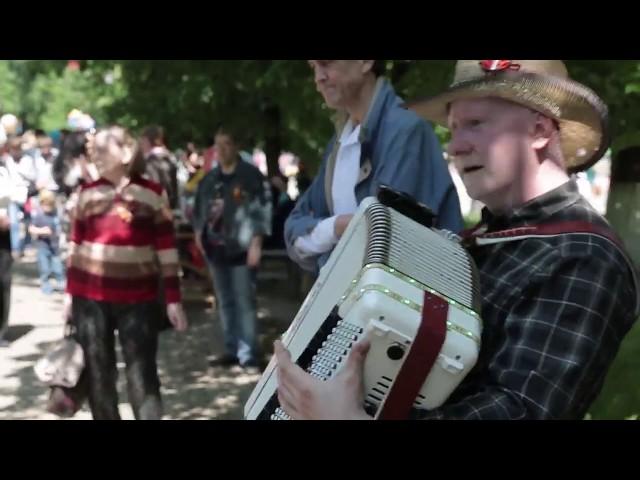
pixel 232 215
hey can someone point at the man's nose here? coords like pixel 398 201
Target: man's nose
pixel 459 146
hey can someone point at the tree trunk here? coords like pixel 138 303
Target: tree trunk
pixel 273 138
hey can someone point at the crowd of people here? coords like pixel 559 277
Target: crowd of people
pixel 100 209
pixel 103 206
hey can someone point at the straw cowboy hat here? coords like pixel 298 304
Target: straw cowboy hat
pixel 541 85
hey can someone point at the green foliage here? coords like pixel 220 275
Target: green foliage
pixel 618 83
pixel 268 99
pixel 620 396
pixel 53 96
pixel 272 100
pixel 9 92
pixel 44 92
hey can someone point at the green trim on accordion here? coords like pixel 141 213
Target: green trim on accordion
pixel 407 302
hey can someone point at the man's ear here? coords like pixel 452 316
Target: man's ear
pixel 543 130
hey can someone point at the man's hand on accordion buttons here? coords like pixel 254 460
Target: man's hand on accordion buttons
pixel 304 397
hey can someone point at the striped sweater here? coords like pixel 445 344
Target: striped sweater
pixel 116 241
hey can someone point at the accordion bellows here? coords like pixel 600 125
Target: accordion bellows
pixel 374 284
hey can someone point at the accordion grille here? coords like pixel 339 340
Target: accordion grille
pixel 379 239
pixel 429 256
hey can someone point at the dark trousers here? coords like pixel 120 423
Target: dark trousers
pixel 138 333
pixel 5 289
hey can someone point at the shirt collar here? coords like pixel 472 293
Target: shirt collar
pixel 535 210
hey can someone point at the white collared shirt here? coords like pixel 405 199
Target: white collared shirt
pixel 345 176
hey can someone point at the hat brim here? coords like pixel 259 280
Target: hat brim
pixel 581 115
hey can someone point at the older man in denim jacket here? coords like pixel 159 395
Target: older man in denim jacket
pixel 377 142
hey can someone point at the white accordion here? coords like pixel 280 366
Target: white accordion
pixel 412 290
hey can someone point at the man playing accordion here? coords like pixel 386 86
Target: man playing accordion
pixel 558 290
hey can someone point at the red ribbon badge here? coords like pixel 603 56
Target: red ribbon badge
pixel 495 66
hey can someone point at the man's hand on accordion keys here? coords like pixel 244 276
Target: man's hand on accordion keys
pixel 304 397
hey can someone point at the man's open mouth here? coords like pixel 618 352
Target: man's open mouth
pixel 472 169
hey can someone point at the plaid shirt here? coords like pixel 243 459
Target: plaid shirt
pixel 554 310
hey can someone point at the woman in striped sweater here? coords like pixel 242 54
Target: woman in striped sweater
pixel 122 245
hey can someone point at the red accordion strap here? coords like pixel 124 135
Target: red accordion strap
pixel 420 359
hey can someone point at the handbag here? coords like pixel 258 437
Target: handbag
pixel 66 402
pixel 62 370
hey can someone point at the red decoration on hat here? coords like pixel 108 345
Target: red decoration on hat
pixel 494 66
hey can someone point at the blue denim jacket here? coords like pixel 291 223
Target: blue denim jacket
pixel 400 150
